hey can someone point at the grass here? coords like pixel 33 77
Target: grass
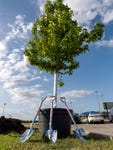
pixel 11 142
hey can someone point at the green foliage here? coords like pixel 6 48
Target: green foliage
pixel 60 83
pixel 57 39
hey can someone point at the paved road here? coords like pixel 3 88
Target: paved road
pixel 104 129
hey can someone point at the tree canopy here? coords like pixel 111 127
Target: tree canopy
pixel 57 39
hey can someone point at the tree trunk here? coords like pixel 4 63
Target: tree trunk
pixel 55 88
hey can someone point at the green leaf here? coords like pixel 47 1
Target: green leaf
pixel 57 40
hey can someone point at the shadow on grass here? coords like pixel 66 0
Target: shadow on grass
pixel 97 137
pixel 35 140
pixel 93 136
pixel 90 137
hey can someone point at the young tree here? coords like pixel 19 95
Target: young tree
pixel 57 40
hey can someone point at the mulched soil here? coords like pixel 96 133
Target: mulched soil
pixel 8 125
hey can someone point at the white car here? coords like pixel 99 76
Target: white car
pixel 96 117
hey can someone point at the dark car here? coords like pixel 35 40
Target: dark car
pixel 77 118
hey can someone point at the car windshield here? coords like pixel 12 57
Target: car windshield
pixel 95 115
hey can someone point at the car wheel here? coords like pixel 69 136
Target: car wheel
pixel 111 121
pixel 102 121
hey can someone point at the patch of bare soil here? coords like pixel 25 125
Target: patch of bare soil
pixel 10 125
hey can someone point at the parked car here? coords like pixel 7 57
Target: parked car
pixel 96 117
pixel 77 118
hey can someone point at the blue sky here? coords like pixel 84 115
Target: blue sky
pixel 22 85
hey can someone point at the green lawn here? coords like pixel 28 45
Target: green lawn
pixel 11 142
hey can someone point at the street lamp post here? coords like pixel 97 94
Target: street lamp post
pixel 3 113
pixel 102 100
pixel 71 105
pixel 97 100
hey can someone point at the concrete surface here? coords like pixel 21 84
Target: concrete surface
pixel 105 130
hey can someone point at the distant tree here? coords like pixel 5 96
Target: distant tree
pixel 57 40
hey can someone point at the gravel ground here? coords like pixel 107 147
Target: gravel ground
pixel 105 129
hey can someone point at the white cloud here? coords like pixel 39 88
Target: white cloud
pixel 41 4
pixel 108 16
pixel 19 29
pixel 77 93
pixel 16 76
pixel 85 11
pixel 35 78
pixel 108 43
pixel 3 49
pixel 14 80
pixel 46 79
pixel 25 94
pixel 21 66
pixel 13 58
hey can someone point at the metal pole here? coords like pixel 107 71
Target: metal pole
pixel 102 100
pixel 71 105
pixel 98 100
pixel 3 113
pixel 55 89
